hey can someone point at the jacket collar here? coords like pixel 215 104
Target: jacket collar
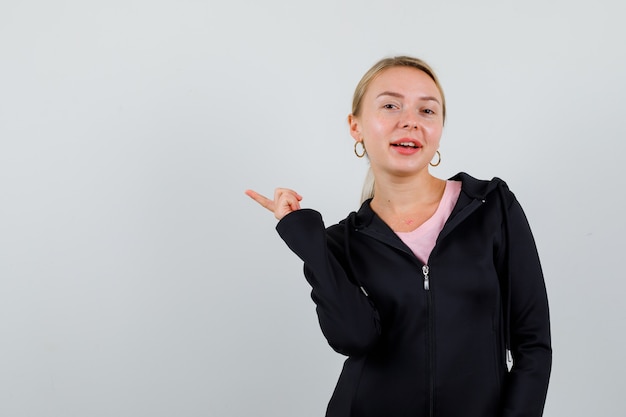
pixel 472 189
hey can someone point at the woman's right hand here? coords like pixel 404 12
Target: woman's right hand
pixel 285 201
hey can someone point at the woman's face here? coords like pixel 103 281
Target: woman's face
pixel 401 121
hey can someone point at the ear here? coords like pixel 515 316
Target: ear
pixel 355 127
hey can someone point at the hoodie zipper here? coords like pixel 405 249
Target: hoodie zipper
pixel 431 349
pixel 425 270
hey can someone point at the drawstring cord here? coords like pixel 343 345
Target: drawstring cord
pixel 350 225
pixel 505 281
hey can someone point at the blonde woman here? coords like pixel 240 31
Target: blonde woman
pixel 432 283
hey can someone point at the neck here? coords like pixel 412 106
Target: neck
pixel 406 194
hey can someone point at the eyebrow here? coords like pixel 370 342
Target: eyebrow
pixel 398 95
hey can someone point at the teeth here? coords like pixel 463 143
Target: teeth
pixel 411 144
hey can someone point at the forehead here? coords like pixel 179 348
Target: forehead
pixel 407 81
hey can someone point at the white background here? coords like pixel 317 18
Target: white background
pixel 136 278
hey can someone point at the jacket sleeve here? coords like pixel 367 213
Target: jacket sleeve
pixel 526 384
pixel 347 318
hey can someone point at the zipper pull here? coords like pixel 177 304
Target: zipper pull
pixel 425 270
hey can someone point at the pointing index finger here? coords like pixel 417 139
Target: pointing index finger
pixel 261 199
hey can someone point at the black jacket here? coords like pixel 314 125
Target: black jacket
pixel 430 340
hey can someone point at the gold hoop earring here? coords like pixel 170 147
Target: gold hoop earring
pixel 356 151
pixel 438 160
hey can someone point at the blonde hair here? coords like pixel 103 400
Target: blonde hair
pixel 363 85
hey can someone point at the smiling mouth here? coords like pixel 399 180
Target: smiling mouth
pixel 406 145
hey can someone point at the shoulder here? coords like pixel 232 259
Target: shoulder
pixel 363 218
pixel 481 189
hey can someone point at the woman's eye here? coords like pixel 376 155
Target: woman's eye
pixel 428 111
pixel 389 106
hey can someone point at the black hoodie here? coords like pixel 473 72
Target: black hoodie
pixel 431 340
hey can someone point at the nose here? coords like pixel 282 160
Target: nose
pixel 410 124
pixel 409 121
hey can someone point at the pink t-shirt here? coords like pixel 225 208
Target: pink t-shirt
pixel 422 240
